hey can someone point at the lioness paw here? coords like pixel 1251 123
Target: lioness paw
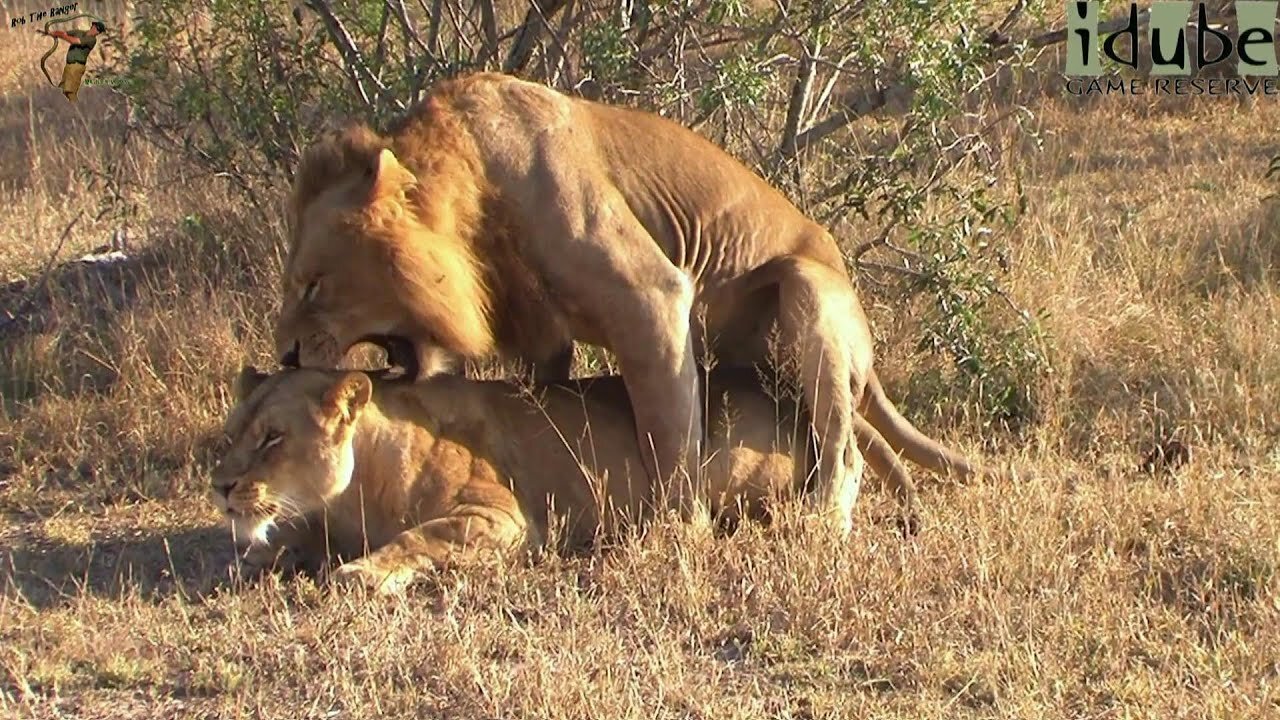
pixel 362 573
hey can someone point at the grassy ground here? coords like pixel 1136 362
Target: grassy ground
pixel 1087 590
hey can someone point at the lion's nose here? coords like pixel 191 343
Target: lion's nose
pixel 290 359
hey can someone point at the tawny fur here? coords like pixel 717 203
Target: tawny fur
pixel 427 474
pixel 500 216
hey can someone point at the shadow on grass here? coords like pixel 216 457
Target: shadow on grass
pixel 63 328
pixel 155 567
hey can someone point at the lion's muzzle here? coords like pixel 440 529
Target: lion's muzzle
pixel 316 349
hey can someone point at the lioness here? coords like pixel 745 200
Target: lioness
pixel 502 216
pixel 427 473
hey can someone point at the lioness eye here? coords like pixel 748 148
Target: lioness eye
pixel 310 292
pixel 270 440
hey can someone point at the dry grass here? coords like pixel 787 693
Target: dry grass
pixel 1088 590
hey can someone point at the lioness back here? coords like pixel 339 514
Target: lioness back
pixel 570 447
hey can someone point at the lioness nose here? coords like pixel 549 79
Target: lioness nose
pixel 290 358
pixel 223 486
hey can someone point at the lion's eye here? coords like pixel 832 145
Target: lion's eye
pixel 271 439
pixel 309 293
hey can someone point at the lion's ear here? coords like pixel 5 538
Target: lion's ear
pixel 344 400
pixel 386 176
pixel 249 379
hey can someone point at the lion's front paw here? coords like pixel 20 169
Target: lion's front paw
pixel 371 576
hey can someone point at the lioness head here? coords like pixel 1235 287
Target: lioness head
pixel 290 447
pixel 375 258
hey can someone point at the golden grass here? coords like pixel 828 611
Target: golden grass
pixel 1086 590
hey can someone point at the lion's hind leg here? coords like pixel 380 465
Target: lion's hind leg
pixel 821 323
pixel 852 482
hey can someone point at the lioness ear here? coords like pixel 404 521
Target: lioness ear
pixel 386 175
pixel 344 400
pixel 248 381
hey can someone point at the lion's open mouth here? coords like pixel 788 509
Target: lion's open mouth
pixel 402 357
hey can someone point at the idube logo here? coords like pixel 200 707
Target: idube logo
pixel 1171 27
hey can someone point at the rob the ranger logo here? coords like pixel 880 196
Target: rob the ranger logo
pixel 1170 25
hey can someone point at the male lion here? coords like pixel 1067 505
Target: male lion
pixel 502 216
pixel 428 473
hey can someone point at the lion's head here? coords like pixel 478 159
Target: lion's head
pixel 375 258
pixel 290 447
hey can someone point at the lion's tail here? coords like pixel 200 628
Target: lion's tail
pixel 907 440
